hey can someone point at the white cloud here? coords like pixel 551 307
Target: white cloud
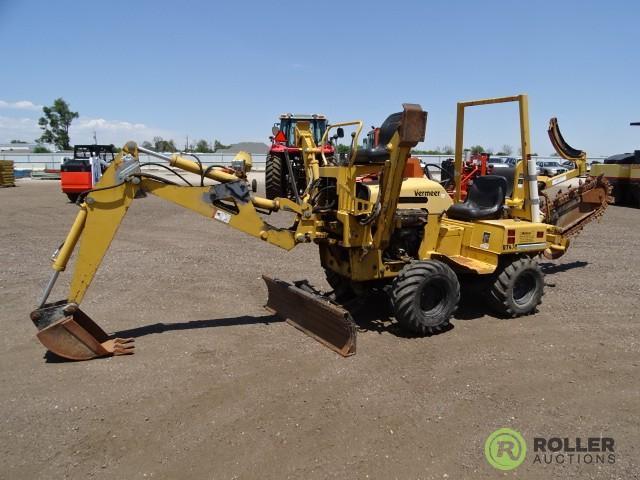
pixel 101 123
pixel 117 132
pixel 20 105
pixel 12 128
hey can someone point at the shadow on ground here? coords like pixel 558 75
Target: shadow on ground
pixel 372 314
pixel 156 328
pixel 550 268
pixel 196 324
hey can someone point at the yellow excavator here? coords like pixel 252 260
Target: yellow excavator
pixel 404 238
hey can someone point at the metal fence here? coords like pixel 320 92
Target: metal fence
pixel 41 161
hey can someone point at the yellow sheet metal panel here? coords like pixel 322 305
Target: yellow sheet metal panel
pixel 510 236
pixel 418 193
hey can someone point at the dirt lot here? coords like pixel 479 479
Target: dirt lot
pixel 218 389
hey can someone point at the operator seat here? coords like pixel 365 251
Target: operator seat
pixel 508 173
pixel 379 153
pixel 484 201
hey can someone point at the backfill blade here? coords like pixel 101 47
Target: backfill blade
pixel 315 315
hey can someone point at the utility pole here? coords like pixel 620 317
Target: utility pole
pixel 95 138
pixel 186 147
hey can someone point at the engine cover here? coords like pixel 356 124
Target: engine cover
pixel 418 193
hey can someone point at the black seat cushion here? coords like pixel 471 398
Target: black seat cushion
pixel 379 153
pixel 484 201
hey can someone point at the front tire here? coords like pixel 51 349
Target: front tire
pixel 424 295
pixel 518 288
pixel 274 177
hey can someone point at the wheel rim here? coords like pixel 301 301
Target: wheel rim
pixel 432 295
pixel 524 288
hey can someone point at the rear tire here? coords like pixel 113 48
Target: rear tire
pixel 274 177
pixel 424 295
pixel 73 197
pixel 518 288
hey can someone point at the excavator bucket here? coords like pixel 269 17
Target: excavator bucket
pixel 68 332
pixel 313 314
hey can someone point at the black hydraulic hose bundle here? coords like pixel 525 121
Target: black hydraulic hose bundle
pixel 292 179
pixel 83 194
pixel 167 168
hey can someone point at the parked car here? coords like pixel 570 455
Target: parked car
pixel 568 165
pixel 499 162
pixel 550 168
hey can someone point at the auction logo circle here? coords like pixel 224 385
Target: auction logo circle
pixel 505 449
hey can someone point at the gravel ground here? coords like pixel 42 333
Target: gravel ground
pixel 219 389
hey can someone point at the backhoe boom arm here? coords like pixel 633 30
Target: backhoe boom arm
pixel 104 208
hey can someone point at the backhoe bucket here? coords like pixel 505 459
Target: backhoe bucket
pixel 68 332
pixel 313 314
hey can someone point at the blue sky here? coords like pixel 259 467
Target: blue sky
pixel 135 69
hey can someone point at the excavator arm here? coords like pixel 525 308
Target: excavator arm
pixel 104 208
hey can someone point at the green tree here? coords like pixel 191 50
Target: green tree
pixel 162 145
pixel 14 142
pixel 476 149
pixel 41 149
pixel 147 144
pixel 219 146
pixel 448 150
pixel 202 146
pixel 506 150
pixel 55 124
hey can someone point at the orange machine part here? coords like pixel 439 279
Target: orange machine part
pixel 413 169
pixel 73 182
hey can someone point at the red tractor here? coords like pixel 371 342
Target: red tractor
pixel 284 174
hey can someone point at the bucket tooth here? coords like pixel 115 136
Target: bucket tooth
pixel 70 333
pixel 313 314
